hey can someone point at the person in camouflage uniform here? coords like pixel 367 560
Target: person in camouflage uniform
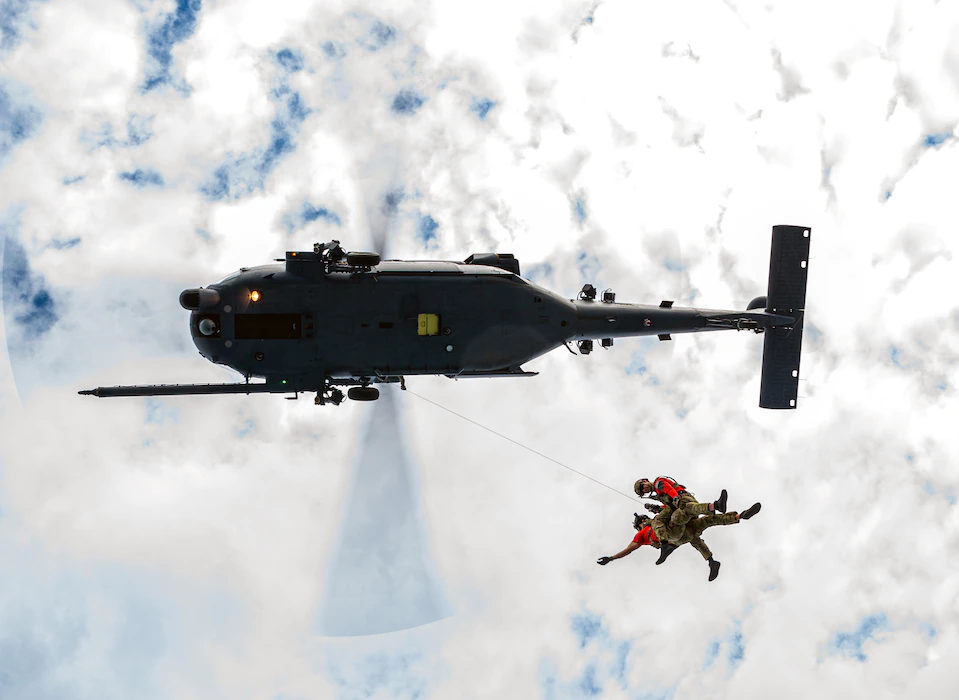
pixel 647 534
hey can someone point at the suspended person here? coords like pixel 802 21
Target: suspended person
pixel 685 507
pixel 692 535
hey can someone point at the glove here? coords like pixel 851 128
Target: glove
pixel 603 561
pixel 652 507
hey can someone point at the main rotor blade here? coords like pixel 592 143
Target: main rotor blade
pixel 381 576
pixel 382 192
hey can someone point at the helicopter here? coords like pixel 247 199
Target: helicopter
pixel 318 320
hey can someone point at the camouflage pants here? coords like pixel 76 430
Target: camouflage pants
pixel 692 530
pixel 684 509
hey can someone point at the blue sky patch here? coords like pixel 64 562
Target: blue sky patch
pixel 14 18
pixel 681 413
pixel 619 669
pixel 539 272
pixel 588 683
pixel 159 412
pixel 381 34
pixel 142 177
pixel 389 674
pixel 18 121
pixel 392 201
pixel 65 243
pixel 333 50
pixel 72 180
pixel 246 428
pixel 307 214
pixel 712 653
pixel 736 651
pixel 407 101
pixel 426 231
pixel 168 31
pixel 933 140
pixel 673 265
pixel 589 266
pixel 242 175
pixel 587 627
pixel 481 106
pixel 139 130
pixel 850 643
pixel 579 209
pixel 637 365
pixel 605 659
pixel 311 213
pixel 291 60
pixel 26 296
pixel 897 358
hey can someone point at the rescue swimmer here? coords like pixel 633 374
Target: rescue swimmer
pixel 680 519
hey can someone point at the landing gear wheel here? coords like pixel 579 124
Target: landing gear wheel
pixel 363 393
pixel 362 259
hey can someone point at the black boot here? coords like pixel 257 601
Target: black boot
pixel 751 511
pixel 713 568
pixel 720 503
pixel 665 550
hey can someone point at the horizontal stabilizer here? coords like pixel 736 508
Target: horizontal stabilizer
pixel 788 267
pixel 786 295
pixel 780 380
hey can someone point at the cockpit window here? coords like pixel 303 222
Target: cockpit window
pixel 231 276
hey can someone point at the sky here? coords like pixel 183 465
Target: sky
pixel 251 547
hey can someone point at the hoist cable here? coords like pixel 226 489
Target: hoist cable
pixel 519 444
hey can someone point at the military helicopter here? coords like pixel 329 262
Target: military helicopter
pixel 327 318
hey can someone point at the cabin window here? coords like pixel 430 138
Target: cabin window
pixel 268 327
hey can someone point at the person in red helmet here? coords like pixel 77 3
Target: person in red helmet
pixel 693 535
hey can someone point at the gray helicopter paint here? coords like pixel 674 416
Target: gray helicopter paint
pixel 317 322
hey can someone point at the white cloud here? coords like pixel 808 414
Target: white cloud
pixel 686 131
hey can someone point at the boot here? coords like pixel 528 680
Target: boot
pixel 713 568
pixel 751 511
pixel 665 550
pixel 720 503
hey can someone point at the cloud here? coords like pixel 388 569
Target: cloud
pixel 241 176
pixel 262 118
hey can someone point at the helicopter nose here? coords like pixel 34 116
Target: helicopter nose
pixel 199 299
